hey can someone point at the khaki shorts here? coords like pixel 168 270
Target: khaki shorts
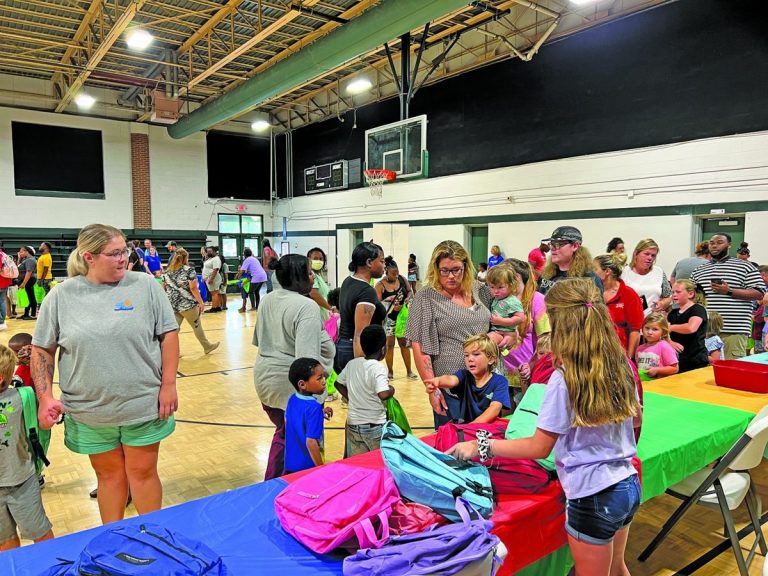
pixel 735 345
pixel 22 506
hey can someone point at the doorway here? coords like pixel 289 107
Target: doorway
pixel 478 244
pixel 237 232
pixel 731 225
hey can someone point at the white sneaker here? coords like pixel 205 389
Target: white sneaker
pixel 3 326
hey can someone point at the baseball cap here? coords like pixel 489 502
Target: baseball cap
pixel 171 243
pixel 564 234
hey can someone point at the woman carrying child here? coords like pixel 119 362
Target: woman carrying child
pixel 587 416
pixel 483 392
pixel 507 316
pixel 394 291
pixel 688 325
pixel 656 357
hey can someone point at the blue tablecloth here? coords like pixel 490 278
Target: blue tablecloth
pixel 761 358
pixel 240 525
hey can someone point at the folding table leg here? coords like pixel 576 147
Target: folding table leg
pixel 752 506
pixel 668 525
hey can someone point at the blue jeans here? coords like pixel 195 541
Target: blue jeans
pixel 3 293
pixel 596 519
pixel 344 353
pixel 269 281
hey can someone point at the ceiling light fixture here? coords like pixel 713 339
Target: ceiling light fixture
pixel 138 39
pixel 359 86
pixel 583 2
pixel 260 125
pixel 84 101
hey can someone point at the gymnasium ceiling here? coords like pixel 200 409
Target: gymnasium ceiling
pixel 51 50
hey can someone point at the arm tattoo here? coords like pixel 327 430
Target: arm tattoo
pixel 42 370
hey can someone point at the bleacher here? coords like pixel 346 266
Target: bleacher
pixel 63 241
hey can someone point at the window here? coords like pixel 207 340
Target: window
pixel 251 224
pixel 229 223
pixel 241 224
pixel 229 247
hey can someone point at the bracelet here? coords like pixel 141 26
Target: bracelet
pixel 484 445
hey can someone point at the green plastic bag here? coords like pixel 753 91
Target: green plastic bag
pixel 522 422
pixel 396 414
pixel 246 285
pixel 401 323
pixel 330 382
pixel 22 300
pixel 39 293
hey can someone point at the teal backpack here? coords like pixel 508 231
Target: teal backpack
pixel 38 440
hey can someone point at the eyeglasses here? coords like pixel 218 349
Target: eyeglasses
pixel 558 245
pixel 117 254
pixel 455 272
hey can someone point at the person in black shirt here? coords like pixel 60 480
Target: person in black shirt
pixel 688 325
pixel 359 306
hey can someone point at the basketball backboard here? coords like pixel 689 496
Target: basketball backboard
pixel 400 146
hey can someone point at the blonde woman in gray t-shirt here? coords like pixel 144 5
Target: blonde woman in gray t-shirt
pixel 118 354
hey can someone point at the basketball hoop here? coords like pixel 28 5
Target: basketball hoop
pixel 376 177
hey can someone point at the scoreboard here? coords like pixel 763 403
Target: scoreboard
pixel 331 176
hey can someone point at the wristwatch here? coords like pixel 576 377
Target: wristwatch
pixel 730 292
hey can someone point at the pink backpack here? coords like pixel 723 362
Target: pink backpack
pixel 338 505
pixel 411 517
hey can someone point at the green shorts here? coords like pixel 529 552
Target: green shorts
pixel 84 439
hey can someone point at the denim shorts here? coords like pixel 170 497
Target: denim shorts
pixel 596 519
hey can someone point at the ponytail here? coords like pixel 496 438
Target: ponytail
pixel 76 266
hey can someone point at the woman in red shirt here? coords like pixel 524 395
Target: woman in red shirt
pixel 623 303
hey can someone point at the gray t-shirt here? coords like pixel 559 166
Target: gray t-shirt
pixel 686 266
pixel 110 364
pixel 15 460
pixel 29 264
pixel 288 327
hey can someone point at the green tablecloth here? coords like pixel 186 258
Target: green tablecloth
pixel 680 437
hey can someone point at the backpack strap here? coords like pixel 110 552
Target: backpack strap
pixel 29 405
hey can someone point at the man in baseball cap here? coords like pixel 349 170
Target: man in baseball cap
pixel 567 259
pixel 171 246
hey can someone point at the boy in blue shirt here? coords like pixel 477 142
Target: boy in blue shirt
pixel 484 393
pixel 304 416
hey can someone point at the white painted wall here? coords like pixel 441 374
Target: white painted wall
pixel 115 209
pixel 714 171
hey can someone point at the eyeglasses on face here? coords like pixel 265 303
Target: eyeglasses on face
pixel 117 254
pixel 558 245
pixel 455 272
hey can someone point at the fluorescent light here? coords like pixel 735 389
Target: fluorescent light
pixel 138 39
pixel 583 2
pixel 260 125
pixel 359 85
pixel 84 101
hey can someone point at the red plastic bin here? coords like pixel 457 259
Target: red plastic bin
pixel 740 375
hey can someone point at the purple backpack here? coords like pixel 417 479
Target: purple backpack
pixel 338 505
pixel 444 550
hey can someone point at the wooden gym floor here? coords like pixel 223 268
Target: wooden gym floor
pixel 222 439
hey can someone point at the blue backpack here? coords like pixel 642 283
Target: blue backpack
pixel 430 477
pixel 142 550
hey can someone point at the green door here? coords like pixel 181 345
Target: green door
pixel 478 244
pixel 731 225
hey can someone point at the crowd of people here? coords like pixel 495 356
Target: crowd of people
pixel 589 328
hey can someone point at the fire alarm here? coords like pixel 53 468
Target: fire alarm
pixel 241 208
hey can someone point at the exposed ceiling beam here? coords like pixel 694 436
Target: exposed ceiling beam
pixel 225 11
pixel 101 50
pixel 80 33
pixel 290 14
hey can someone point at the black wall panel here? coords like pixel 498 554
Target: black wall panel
pixel 238 166
pixel 692 69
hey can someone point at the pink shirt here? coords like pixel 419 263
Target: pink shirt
pixel 656 355
pixel 523 354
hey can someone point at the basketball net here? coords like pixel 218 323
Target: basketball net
pixel 375 178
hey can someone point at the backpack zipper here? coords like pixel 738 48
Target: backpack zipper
pixel 202 561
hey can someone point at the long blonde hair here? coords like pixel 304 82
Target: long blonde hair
pixel 580 265
pixel 91 239
pixel 645 244
pixel 601 386
pixel 455 251
pixel 180 259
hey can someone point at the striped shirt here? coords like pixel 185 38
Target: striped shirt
pixel 738 274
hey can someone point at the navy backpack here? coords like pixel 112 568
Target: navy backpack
pixel 142 550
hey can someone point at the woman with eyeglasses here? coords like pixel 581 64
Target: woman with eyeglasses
pixel 288 327
pixel 359 305
pixel 118 355
pixel 451 307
